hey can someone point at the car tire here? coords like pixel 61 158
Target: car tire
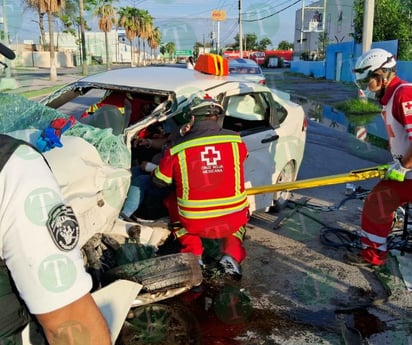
pixel 161 323
pixel 160 273
pixel 280 199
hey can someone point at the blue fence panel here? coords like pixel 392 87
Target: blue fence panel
pixel 341 59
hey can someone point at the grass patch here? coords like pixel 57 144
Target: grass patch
pixel 41 92
pixel 358 106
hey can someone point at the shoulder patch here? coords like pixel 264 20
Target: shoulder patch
pixel 63 227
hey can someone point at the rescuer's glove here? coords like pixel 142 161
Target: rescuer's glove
pixel 50 136
pixel 396 171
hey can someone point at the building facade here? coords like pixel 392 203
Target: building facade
pixel 320 23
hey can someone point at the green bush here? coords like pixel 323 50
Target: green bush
pixel 359 106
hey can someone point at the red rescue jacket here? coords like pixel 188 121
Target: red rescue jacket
pixel 206 167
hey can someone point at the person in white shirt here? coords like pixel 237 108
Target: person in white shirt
pixel 39 236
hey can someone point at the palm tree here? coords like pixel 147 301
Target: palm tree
pixel 40 22
pixel 107 18
pixel 129 20
pixel 154 39
pixel 170 48
pixel 145 28
pixel 50 7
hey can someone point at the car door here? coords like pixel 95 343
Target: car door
pixel 251 115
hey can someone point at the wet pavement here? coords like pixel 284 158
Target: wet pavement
pixel 303 87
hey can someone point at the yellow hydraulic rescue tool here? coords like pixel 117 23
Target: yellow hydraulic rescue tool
pixel 352 176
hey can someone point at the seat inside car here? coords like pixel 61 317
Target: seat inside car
pixel 108 116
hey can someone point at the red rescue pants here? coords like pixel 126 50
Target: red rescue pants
pixel 229 229
pixel 378 215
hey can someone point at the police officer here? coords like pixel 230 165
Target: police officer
pixel 41 270
pixel 205 164
pixel 376 71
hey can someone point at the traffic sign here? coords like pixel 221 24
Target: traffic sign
pixel 187 52
pixel 218 15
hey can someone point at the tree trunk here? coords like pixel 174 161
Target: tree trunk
pixel 53 69
pixel 42 31
pixel 131 55
pixel 106 41
pixel 83 38
pixel 144 53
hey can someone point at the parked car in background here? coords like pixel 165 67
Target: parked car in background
pixel 247 70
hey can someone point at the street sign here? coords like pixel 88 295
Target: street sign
pixel 218 15
pixel 187 52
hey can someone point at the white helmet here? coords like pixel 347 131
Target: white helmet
pixel 206 105
pixel 372 61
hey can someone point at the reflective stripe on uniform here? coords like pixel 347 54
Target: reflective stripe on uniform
pixel 379 242
pixel 239 198
pixel 236 163
pixel 183 175
pixel 212 213
pixel 215 139
pixel 240 234
pixel 162 177
pixel 179 233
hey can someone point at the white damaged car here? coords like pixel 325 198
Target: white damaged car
pixel 273 128
pixel 93 163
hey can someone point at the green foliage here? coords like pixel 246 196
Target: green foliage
pixel 358 106
pixel 392 21
pixel 250 42
pixel 170 48
pixel 323 41
pixel 263 43
pixel 305 56
pixel 285 45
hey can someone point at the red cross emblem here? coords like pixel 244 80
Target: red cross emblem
pixel 407 108
pixel 210 156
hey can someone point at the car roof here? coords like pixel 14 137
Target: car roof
pixel 171 79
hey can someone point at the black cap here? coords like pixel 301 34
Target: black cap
pixel 7 52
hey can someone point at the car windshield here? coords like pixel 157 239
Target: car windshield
pixel 244 70
pixel 33 117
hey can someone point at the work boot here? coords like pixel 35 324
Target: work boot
pixel 356 260
pixel 230 267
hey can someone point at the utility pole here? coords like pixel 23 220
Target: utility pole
pixel 8 82
pixel 83 38
pixel 368 15
pixel 302 13
pixel 240 30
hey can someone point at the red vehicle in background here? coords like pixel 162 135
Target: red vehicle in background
pixel 259 57
pixel 273 58
pixel 268 58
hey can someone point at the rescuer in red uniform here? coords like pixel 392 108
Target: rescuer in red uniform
pixel 376 71
pixel 205 164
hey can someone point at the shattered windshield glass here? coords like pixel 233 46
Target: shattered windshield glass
pixel 19 113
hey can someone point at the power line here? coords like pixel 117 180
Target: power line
pixel 272 14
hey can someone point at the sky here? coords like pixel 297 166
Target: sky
pixel 188 21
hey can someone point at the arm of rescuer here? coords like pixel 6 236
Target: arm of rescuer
pixel 39 236
pixel 403 114
pixel 401 107
pixel 406 159
pixel 80 320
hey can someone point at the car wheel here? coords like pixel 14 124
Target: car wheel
pixel 162 324
pixel 160 273
pixel 280 199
